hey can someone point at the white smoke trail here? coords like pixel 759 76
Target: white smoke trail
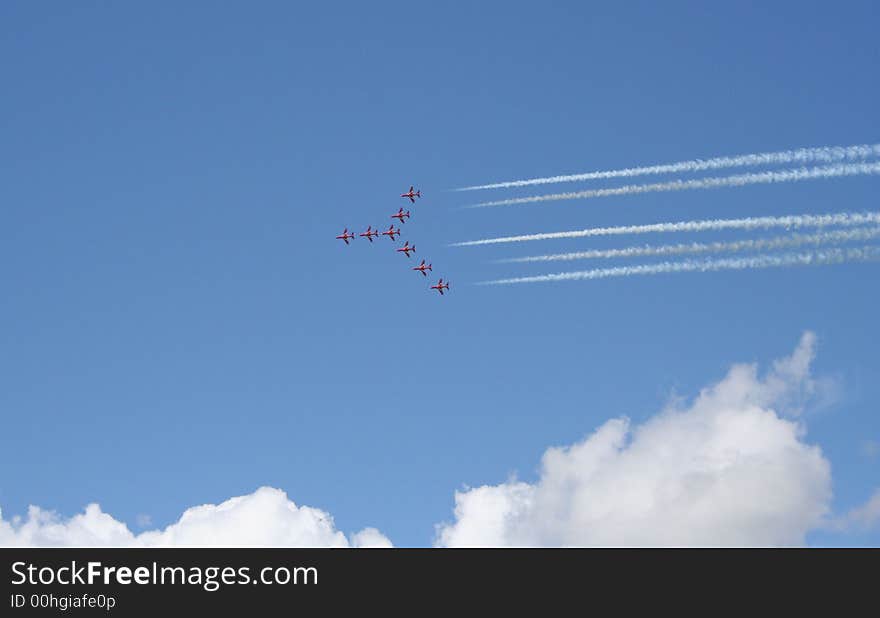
pixel 739 180
pixel 760 244
pixel 825 256
pixel 843 219
pixel 822 154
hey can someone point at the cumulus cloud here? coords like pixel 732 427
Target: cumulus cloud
pixel 732 468
pixel 265 518
pixel 370 538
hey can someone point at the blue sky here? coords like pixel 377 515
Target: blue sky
pixel 179 324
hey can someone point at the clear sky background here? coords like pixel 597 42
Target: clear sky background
pixel 178 324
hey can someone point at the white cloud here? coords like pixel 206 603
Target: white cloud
pixel 864 517
pixel 370 538
pixel 732 469
pixel 265 518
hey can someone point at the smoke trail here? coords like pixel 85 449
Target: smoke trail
pixel 825 256
pixel 844 219
pixel 822 154
pixel 739 180
pixel 761 244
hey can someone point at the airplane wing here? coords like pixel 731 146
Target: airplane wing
pixel 412 199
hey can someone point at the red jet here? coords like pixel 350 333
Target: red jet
pixel 391 232
pixel 370 233
pixel 422 268
pixel 412 195
pixel 440 286
pixel 406 249
pixel 401 215
pixel 345 236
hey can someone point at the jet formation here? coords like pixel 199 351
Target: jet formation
pixel 401 215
